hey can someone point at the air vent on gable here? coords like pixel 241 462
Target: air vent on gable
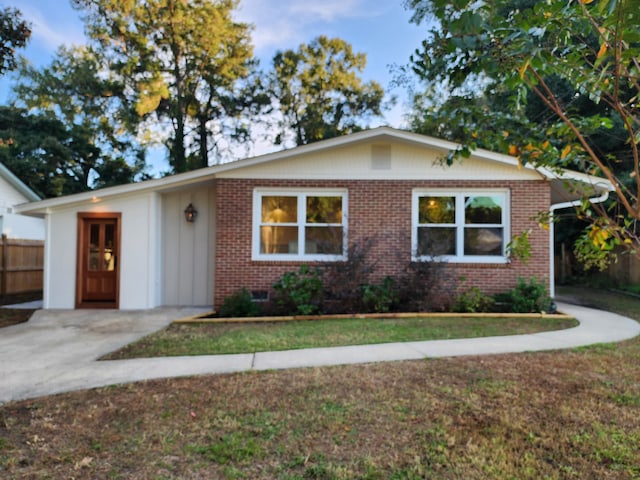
pixel 381 157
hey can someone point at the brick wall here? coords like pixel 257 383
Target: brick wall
pixel 380 210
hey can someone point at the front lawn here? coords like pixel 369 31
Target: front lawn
pixel 224 338
pixel 555 415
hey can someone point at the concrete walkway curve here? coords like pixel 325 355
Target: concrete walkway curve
pixel 57 351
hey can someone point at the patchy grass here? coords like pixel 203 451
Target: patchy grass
pixel 602 299
pixel 555 415
pixel 225 338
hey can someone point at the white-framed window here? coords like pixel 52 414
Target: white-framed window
pixel 299 224
pixel 460 225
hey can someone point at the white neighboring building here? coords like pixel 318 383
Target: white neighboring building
pixel 13 192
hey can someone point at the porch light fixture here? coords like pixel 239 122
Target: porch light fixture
pixel 190 213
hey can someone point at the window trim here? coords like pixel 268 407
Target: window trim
pixel 459 194
pixel 301 194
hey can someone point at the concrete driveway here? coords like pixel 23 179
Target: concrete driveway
pixel 56 351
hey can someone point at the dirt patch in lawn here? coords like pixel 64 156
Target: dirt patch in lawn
pixel 14 316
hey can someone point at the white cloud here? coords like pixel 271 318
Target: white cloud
pixel 55 28
pixel 329 10
pixel 281 24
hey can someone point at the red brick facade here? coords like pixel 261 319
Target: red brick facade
pixel 376 209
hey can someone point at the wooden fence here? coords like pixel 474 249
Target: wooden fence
pixel 624 271
pixel 21 265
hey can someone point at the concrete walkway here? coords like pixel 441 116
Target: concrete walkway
pixel 57 351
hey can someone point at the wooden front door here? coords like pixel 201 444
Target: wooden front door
pixel 98 260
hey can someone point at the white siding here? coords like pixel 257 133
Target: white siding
pixel 9 196
pixel 187 249
pixel 362 161
pixel 137 252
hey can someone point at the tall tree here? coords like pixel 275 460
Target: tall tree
pixel 14 33
pixel 183 61
pixel 76 90
pixel 320 93
pixel 562 54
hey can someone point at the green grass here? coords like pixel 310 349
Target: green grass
pixel 228 338
pixel 558 415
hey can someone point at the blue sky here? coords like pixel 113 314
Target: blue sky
pixel 379 28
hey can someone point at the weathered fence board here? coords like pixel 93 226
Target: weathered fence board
pixel 21 265
pixel 626 270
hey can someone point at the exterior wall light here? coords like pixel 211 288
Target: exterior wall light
pixel 190 213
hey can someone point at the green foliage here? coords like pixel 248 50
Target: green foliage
pixel 187 64
pixel 472 300
pixel 594 248
pixel 239 304
pixel 527 297
pixel 556 81
pixel 299 293
pixel 14 33
pixel 520 247
pixel 76 90
pixel 51 159
pixel 380 298
pixel 319 91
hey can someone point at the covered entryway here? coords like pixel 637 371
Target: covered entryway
pixel 98 274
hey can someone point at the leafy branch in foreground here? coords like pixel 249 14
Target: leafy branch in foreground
pixel 547 82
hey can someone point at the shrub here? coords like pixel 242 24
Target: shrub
pixel 424 286
pixel 239 304
pixel 299 293
pixel 380 298
pixel 527 297
pixel 346 283
pixel 472 300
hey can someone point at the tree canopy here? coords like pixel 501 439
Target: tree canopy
pixel 186 63
pixel 14 33
pixel 77 91
pixel 44 154
pixel 570 67
pixel 320 93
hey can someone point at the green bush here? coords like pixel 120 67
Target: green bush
pixel 527 297
pixel 239 304
pixel 380 298
pixel 472 300
pixel 299 293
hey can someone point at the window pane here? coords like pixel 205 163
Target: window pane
pixel 436 210
pixel 109 237
pixel 483 209
pixel 483 241
pixel 324 209
pixel 94 247
pixel 279 240
pixel 436 241
pixel 279 209
pixel 323 240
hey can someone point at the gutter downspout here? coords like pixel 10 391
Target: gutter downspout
pixel 552 259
